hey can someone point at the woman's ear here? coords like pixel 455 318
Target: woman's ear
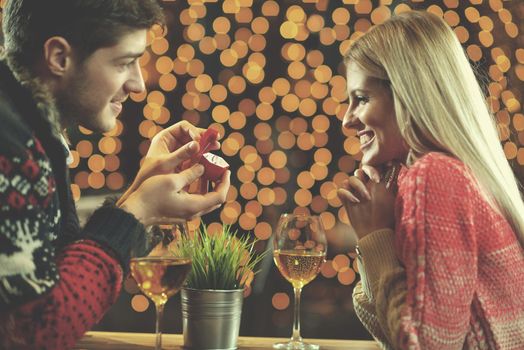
pixel 57 55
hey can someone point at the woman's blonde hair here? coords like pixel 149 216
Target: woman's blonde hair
pixel 439 104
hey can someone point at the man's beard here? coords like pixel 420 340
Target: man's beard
pixel 73 106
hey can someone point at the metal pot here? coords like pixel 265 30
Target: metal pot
pixel 211 318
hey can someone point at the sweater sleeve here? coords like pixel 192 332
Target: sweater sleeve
pixel 422 300
pixel 89 283
pixel 49 298
pixel 378 261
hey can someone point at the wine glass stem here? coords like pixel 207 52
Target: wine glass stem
pixel 159 314
pixel 296 316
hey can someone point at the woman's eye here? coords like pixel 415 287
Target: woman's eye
pixel 361 99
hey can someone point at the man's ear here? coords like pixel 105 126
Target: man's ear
pixel 57 55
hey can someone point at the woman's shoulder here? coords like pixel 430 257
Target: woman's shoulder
pixel 437 163
pixel 436 159
pixel 436 169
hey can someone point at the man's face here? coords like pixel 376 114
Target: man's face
pixel 92 92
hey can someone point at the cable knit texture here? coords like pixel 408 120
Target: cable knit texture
pixel 451 276
pixel 56 280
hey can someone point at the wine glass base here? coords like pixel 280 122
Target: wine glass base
pixel 295 345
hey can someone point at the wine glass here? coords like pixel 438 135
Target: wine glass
pixel 300 248
pixel 161 273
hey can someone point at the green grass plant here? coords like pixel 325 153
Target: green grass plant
pixel 220 261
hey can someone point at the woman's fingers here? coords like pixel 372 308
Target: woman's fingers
pixel 388 173
pixel 370 171
pixel 353 190
pixel 358 188
pixel 346 196
pixel 360 174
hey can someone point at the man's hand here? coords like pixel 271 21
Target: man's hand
pixel 158 195
pixel 161 199
pixel 169 149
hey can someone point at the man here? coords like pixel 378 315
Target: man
pixel 67 63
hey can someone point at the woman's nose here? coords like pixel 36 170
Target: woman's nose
pixel 349 119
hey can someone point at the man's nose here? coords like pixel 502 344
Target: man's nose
pixel 135 83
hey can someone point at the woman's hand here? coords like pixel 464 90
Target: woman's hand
pixel 369 199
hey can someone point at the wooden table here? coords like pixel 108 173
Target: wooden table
pixel 143 341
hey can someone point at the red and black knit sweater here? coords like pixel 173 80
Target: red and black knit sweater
pixel 56 280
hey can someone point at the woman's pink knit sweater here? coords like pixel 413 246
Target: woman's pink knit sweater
pixel 451 275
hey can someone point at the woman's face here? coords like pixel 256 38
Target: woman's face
pixel 371 112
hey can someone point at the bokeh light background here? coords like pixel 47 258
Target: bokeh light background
pixel 268 75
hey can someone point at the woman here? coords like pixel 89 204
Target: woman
pixel 441 247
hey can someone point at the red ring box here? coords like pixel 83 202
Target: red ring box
pixel 214 166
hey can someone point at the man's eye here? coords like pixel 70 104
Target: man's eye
pixel 127 64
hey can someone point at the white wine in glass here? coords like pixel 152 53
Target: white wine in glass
pixel 162 273
pixel 300 248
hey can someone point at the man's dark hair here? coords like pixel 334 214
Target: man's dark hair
pixel 86 24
